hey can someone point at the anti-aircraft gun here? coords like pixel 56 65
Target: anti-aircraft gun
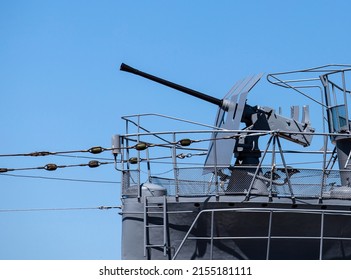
pixel 234 110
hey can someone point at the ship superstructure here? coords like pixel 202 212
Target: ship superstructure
pixel 251 186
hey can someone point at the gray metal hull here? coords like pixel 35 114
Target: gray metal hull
pixel 204 228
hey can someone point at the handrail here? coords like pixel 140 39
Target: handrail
pixel 171 144
pixel 321 237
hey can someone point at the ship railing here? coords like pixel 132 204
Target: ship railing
pixel 179 156
pixel 333 82
pixel 277 227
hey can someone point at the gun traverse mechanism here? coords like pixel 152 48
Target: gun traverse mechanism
pixel 234 110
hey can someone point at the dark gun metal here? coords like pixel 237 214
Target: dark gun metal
pixel 197 94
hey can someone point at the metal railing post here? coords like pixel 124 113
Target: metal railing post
pixel 175 168
pixel 269 234
pixel 321 237
pixel 212 229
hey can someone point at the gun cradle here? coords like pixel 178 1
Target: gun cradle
pixel 287 128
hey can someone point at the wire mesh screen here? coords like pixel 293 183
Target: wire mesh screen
pixel 304 183
pixel 130 182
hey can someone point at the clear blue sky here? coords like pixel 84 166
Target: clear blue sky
pixel 61 90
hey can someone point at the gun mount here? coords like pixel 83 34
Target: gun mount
pixel 234 110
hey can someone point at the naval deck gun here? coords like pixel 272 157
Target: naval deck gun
pixel 234 110
pixel 260 207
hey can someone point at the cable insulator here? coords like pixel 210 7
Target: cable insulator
pixel 185 142
pixel 93 163
pixel 39 154
pixel 141 146
pixel 3 170
pixel 96 150
pixel 50 167
pixel 133 160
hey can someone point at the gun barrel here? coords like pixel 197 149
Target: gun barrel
pixel 186 90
